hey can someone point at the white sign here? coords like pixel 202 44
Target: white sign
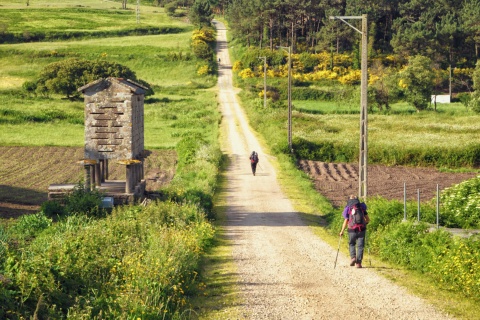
pixel 441 98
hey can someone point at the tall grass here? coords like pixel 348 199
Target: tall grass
pixel 138 262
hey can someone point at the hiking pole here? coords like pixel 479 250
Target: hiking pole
pixel 338 250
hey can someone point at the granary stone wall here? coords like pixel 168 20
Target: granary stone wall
pixel 114 121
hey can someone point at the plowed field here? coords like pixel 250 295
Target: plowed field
pixel 336 181
pixel 26 173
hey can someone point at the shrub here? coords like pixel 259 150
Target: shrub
pixel 461 203
pixel 170 8
pixel 53 209
pixel 202 50
pixel 29 226
pixel 311 94
pixel 84 201
pixel 65 77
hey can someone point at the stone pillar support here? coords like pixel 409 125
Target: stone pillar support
pixel 89 166
pixel 131 166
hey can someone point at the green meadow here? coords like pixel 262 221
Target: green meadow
pixel 164 61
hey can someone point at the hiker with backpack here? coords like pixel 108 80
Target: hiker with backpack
pixel 356 220
pixel 254 161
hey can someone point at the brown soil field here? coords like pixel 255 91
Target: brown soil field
pixel 27 172
pixel 336 181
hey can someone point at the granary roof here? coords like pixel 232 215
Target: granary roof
pixel 103 83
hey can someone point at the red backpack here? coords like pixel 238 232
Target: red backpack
pixel 356 217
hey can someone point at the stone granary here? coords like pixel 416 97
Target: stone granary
pixel 114 130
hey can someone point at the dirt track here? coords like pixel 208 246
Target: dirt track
pixel 284 270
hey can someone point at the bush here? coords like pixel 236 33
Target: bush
pixel 53 209
pixel 460 204
pixel 85 202
pixel 324 151
pixel 65 77
pixel 202 50
pixel 311 94
pixel 29 226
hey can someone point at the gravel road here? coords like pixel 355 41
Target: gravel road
pixel 284 270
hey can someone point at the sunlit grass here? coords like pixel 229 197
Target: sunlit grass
pixel 77 16
pixel 143 54
pixel 42 134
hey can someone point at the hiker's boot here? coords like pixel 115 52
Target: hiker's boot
pixel 353 261
pixel 358 264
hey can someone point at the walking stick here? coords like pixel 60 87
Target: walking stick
pixel 338 250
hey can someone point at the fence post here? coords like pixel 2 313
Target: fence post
pixel 438 208
pixel 418 205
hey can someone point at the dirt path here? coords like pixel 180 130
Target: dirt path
pixel 285 271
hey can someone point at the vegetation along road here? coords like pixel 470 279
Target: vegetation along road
pixel 284 270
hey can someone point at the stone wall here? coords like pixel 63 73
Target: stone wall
pixel 114 121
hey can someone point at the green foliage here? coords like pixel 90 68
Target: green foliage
pixel 82 201
pixel 29 226
pixel 203 41
pixel 474 101
pixel 325 151
pixel 65 77
pixel 170 8
pixel 138 262
pixel 311 94
pixel 78 202
pixel 455 263
pixel 461 203
pixel 196 177
pixel 201 13
pixel 417 79
pixel 202 50
pixel 39 36
pixel 3 246
pixel 308 61
pixel 400 242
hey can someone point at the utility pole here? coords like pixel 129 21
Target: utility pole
pixel 363 154
pixel 289 50
pixel 264 80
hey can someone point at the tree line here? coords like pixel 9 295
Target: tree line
pixel 448 31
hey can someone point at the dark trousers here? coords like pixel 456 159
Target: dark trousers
pixel 254 167
pixel 356 238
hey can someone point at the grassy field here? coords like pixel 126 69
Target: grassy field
pixel 169 114
pixel 451 125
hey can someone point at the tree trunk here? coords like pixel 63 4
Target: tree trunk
pixel 271 33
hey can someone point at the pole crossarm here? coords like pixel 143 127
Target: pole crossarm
pixel 342 18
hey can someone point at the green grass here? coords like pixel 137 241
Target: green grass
pixel 170 114
pixel 56 122
pixel 70 15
